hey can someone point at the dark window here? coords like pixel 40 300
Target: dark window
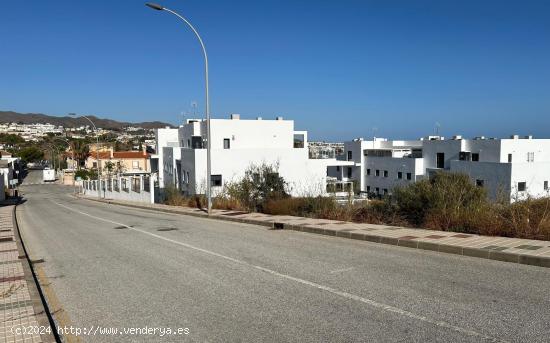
pixel 509 158
pixel 368 171
pixel 480 183
pixel 386 173
pixel 299 140
pixel 440 160
pixel 368 189
pixel 409 176
pixel 399 175
pixel 377 172
pixel 349 172
pixel 95 165
pixel 464 156
pixel 350 155
pixel 216 180
pixel 337 168
pixel 522 186
pixel 188 143
pixel 475 157
pixel 385 191
pixel 545 185
pixel 226 143
pixel 377 190
pixel 196 142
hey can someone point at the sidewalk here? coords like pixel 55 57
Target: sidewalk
pixel 524 251
pixel 20 303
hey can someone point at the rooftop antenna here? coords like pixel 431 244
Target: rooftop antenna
pixel 437 127
pixel 194 107
pixel 374 130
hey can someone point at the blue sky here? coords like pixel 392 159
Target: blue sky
pixel 338 68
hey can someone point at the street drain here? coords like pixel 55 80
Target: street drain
pixel 120 227
pixel 167 229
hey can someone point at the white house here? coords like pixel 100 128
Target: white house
pixel 511 168
pixel 166 143
pixel 236 144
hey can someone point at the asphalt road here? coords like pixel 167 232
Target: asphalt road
pixel 114 266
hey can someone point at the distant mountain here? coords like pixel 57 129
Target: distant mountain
pixel 39 118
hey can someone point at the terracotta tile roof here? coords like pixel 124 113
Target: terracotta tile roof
pixel 130 154
pixel 106 155
pixel 103 155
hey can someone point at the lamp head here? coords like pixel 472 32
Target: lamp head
pixel 154 6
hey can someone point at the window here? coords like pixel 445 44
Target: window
pixel 95 165
pixel 480 183
pixel 522 186
pixel 226 143
pixel 440 160
pixel 216 180
pixel 188 143
pixel 475 157
pixel 409 176
pixel 299 140
pixel 377 190
pixel 349 155
pixel 545 185
pixel 530 157
pixel 187 177
pixel 337 168
pixel 368 189
pixel 385 191
pixel 196 142
pixel 509 158
pixel 386 173
pixel 399 175
pixel 368 171
pixel 377 172
pixel 135 164
pixel 349 172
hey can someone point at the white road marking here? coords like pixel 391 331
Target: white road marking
pixel 372 303
pixel 341 270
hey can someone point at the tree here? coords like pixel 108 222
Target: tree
pixel 31 154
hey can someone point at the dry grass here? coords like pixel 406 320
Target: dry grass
pixel 448 202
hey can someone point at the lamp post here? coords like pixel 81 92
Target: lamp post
pixel 207 99
pixel 72 154
pixel 97 155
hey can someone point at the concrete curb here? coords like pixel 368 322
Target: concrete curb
pixel 539 261
pixel 40 304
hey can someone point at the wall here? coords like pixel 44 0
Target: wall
pixel 496 176
pixel 2 193
pixel 142 195
pixel 415 166
pixel 304 176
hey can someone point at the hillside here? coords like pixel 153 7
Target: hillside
pixel 32 118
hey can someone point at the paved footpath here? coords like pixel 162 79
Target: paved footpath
pixel 22 316
pixel 524 251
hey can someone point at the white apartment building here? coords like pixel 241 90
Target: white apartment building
pixel 512 168
pixel 236 145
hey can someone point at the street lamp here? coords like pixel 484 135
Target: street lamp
pixel 72 153
pixel 97 155
pixel 208 145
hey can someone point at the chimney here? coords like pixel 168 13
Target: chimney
pixel 529 137
pixel 514 136
pixel 259 118
pixel 235 116
pixel 279 118
pixel 457 137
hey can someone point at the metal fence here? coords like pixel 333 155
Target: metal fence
pixel 132 188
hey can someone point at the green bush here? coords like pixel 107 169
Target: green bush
pixel 440 202
pixel 260 184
